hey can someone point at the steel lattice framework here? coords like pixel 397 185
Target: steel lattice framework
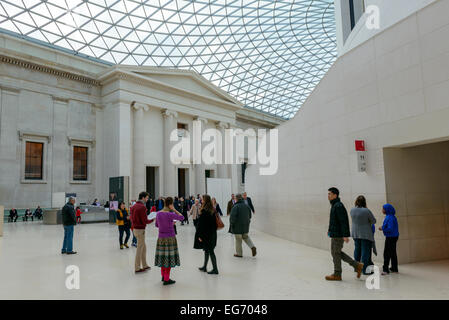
pixel 269 54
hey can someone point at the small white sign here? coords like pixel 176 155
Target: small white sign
pixel 361 161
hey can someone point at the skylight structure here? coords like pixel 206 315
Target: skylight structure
pixel 268 54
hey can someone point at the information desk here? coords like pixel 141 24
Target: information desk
pixel 93 214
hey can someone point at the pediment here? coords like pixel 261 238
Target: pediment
pixel 189 81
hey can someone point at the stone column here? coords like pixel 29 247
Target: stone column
pixel 169 168
pixel 200 175
pixel 138 183
pixel 60 158
pixel 223 169
pixel 117 142
pixel 101 184
pixel 123 134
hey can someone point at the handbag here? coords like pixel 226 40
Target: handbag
pixel 220 224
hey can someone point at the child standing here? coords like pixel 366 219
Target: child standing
pixel 390 229
pixel 167 255
pixel 78 214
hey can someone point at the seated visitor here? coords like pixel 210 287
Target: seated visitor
pixel 38 213
pixel 28 214
pixel 13 215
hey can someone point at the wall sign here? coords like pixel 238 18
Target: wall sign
pixel 361 155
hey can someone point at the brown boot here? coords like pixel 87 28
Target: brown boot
pixel 254 251
pixel 359 270
pixel 333 277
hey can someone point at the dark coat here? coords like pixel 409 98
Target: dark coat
pixel 177 205
pixel 125 214
pixel 250 203
pixel 68 215
pixel 13 213
pixel 229 208
pixel 338 220
pixel 206 230
pixel 159 204
pixel 240 218
pixel 149 204
pixel 185 207
pixel 219 209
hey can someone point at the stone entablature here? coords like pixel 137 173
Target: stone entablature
pixel 45 69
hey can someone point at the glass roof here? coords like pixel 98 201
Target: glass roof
pixel 268 54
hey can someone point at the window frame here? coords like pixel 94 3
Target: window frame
pixel 84 143
pixel 31 157
pixel 75 146
pixel 25 137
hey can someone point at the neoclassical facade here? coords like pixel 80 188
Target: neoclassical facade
pixel 68 124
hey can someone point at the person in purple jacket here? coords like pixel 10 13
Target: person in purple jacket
pixel 390 229
pixel 167 254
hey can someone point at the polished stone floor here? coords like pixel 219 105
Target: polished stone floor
pixel 31 267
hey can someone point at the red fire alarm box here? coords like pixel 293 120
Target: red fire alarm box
pixel 359 145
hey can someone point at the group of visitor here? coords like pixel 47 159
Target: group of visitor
pixel 205 213
pixel 363 229
pixel 13 214
pixel 206 219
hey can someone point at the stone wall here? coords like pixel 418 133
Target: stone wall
pixel 393 90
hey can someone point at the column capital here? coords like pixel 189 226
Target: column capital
pixel 222 125
pixel 98 106
pixel 10 90
pixel 198 118
pixel 137 106
pixel 169 113
pixel 60 99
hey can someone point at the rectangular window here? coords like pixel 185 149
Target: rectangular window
pixel 80 163
pixel 356 10
pixel 182 128
pixel 34 158
pixel 351 13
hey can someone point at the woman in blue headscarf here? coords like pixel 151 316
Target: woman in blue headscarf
pixel 390 229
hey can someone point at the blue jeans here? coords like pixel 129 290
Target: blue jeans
pixel 67 246
pixel 362 252
pixel 121 231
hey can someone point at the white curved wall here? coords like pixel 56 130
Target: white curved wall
pixel 391 12
pixel 391 91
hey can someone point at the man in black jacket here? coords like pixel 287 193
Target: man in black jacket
pixel 38 213
pixel 13 215
pixel 68 221
pixel 248 202
pixel 339 233
pixel 239 222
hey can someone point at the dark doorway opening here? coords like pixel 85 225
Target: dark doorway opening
pixel 182 182
pixel 209 174
pixel 151 181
